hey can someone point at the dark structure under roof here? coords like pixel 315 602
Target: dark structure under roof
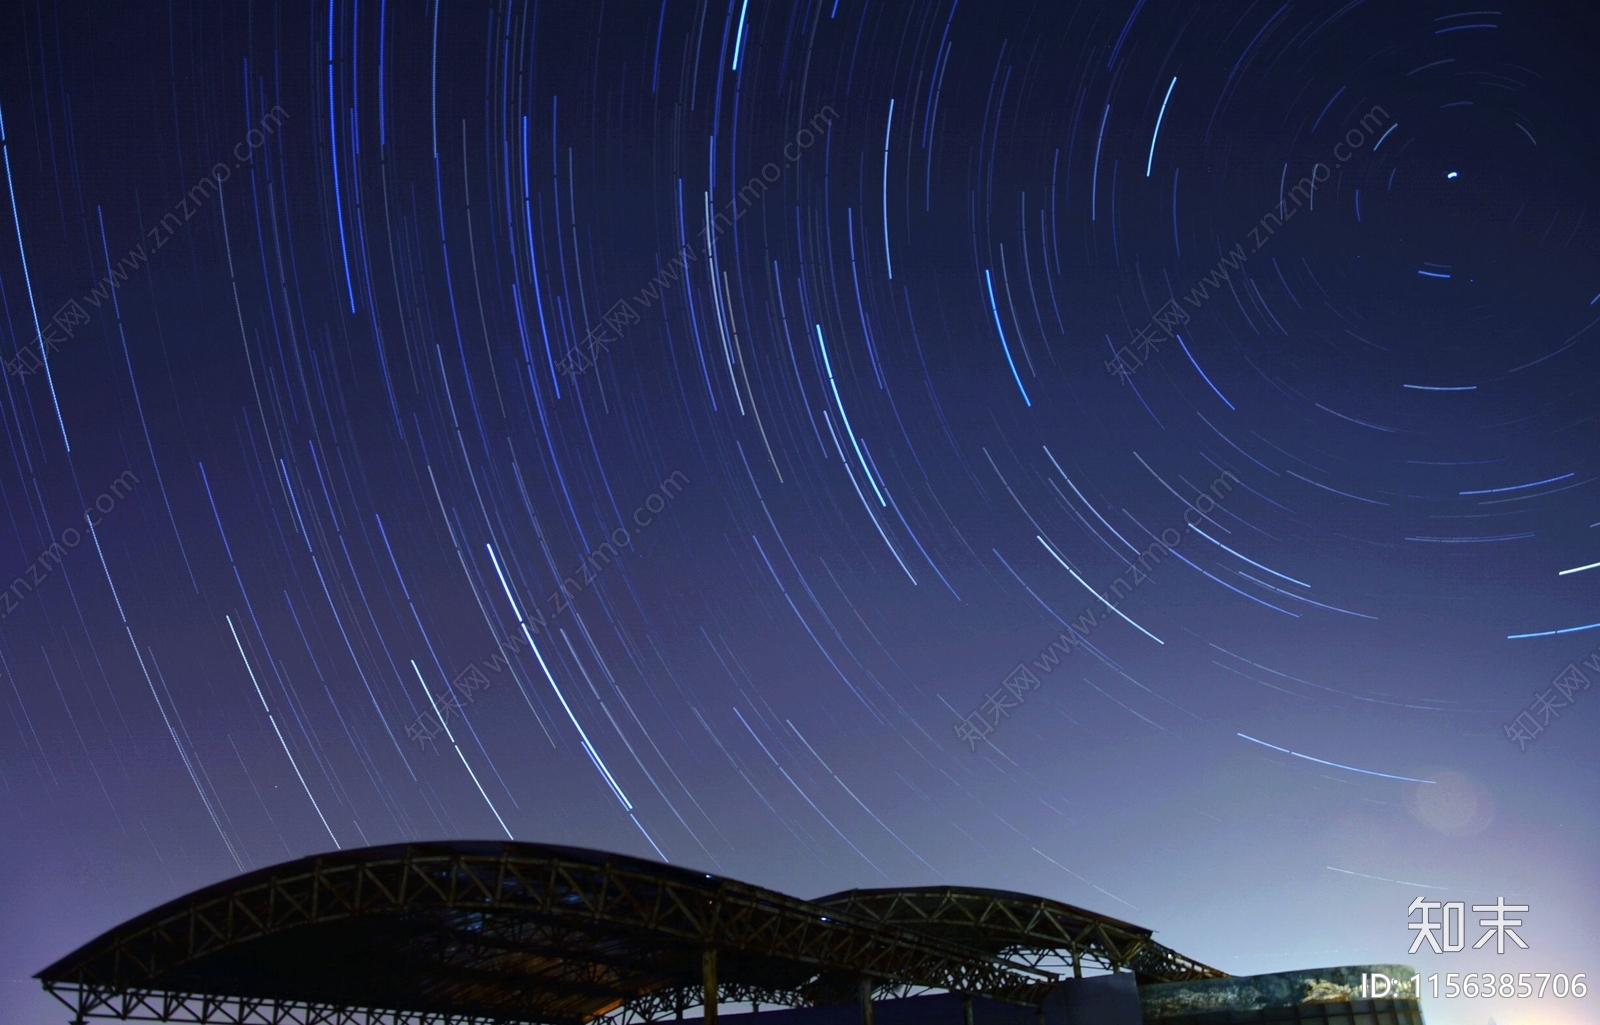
pixel 463 932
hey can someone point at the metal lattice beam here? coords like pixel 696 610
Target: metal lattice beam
pixel 1023 928
pixel 90 1001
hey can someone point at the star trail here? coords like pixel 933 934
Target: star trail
pixel 690 429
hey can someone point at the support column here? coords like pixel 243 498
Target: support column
pixel 708 974
pixel 966 1008
pixel 865 989
pixel 1077 964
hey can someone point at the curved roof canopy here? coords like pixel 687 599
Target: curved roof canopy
pixel 517 932
pixel 1031 930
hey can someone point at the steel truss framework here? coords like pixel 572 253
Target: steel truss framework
pixel 468 933
pixel 1024 928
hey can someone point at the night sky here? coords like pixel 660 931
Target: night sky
pixel 1140 453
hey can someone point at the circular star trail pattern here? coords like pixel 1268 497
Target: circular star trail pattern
pixel 1136 453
